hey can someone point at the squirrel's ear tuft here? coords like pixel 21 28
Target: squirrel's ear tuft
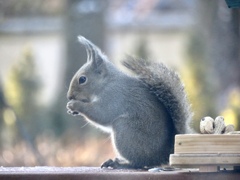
pixel 94 54
pixel 90 48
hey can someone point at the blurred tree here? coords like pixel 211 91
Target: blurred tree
pixel 82 17
pixel 141 50
pixel 214 58
pixel 232 109
pixel 225 56
pixel 2 107
pixel 8 130
pixel 16 8
pixel 22 115
pixel 2 103
pixel 22 91
pixel 199 86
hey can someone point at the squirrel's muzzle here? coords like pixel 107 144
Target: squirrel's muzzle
pixel 70 97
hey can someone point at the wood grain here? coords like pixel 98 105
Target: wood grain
pixel 197 160
pixel 207 144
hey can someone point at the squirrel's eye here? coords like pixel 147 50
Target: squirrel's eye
pixel 82 79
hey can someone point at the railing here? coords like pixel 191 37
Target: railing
pixel 85 173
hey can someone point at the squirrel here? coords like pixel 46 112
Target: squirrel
pixel 142 112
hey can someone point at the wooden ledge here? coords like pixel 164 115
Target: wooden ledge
pixel 86 173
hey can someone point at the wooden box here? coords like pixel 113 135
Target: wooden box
pixel 208 152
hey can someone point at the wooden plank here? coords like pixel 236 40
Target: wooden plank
pixel 208 168
pixel 89 173
pixel 205 143
pixel 197 160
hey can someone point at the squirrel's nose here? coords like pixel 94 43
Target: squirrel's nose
pixel 70 97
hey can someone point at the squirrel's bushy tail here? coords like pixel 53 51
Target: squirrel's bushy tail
pixel 168 88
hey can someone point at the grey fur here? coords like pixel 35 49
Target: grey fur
pixel 167 86
pixel 142 113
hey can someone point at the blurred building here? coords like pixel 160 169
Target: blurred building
pixel 153 29
pixel 34 26
pixel 160 27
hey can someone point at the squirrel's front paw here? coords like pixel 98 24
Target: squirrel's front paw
pixel 74 113
pixel 70 108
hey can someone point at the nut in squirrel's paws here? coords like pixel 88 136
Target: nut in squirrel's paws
pixel 210 126
pixel 70 109
pixel 74 113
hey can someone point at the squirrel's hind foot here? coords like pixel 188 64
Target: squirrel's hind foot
pixel 110 164
pixel 118 164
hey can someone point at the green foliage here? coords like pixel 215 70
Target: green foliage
pixel 2 104
pixel 232 112
pixel 197 78
pixel 22 92
pixel 141 50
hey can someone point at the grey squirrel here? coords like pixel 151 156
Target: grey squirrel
pixel 142 113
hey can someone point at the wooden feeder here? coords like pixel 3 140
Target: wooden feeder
pixel 208 152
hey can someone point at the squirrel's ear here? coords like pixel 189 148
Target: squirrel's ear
pixel 94 54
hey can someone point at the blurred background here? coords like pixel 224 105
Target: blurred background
pixel 39 54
